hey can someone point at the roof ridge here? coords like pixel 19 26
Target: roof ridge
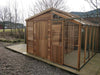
pixel 52 9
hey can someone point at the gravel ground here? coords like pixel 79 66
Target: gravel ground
pixel 12 63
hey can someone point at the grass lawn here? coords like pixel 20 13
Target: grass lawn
pixel 9 30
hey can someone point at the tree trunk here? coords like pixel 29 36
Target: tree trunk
pixel 10 28
pixel 3 26
pixel 15 31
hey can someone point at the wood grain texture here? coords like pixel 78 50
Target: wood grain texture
pixel 50 39
pixel 79 46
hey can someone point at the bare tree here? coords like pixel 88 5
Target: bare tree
pixel 16 16
pixel 4 16
pixel 22 21
pixel 95 4
pixel 41 5
pixel 10 17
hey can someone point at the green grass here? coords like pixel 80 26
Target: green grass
pixel 9 30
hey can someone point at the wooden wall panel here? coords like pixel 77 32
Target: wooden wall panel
pixel 57 43
pixel 44 17
pixel 40 39
pixel 40 33
pixel 43 39
pixel 30 24
pixel 30 37
pixel 30 33
pixel 30 46
pixel 49 40
pixel 30 49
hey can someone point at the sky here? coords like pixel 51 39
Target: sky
pixel 24 5
pixel 78 5
pixel 74 5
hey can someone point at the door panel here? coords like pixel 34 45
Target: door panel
pixel 40 39
pixel 43 39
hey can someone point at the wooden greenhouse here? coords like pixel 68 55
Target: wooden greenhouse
pixel 61 38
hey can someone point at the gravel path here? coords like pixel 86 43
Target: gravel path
pixel 12 63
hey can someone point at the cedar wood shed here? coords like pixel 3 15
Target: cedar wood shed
pixel 62 38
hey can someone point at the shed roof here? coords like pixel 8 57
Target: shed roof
pixel 64 14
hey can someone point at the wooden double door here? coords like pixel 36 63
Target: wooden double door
pixel 45 40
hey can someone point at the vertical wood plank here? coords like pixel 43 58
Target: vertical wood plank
pixel 27 34
pixel 51 23
pixel 49 40
pixel 33 37
pixel 37 40
pixel 62 52
pixel 79 46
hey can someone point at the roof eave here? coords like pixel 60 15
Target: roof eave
pixel 39 14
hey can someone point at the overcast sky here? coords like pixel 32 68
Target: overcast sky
pixel 74 5
pixel 24 5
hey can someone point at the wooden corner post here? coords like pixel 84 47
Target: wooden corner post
pixel 62 52
pixel 79 46
pixel 27 35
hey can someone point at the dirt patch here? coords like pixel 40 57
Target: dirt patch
pixel 3 44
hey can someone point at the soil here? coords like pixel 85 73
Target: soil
pixel 12 63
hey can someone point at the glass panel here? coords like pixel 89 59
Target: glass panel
pixel 91 42
pixel 94 41
pixel 87 49
pixel 90 37
pixel 71 31
pixel 82 45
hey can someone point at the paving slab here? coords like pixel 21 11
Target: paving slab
pixel 91 68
